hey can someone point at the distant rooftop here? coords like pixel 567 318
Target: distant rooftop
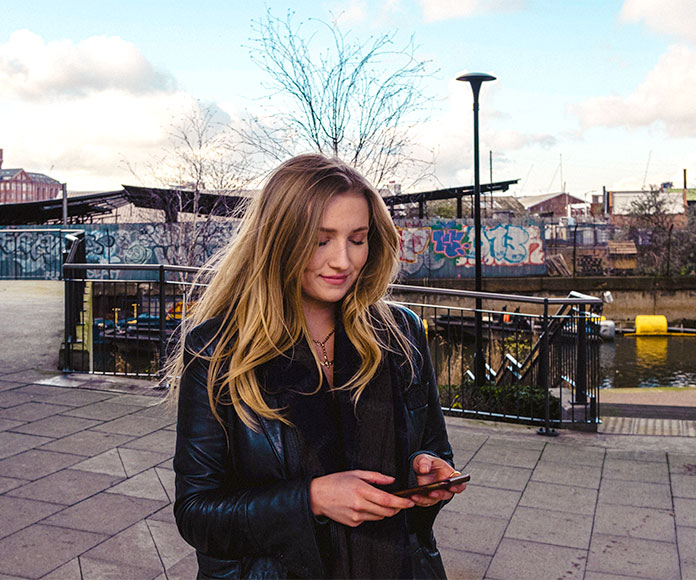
pixel 6 174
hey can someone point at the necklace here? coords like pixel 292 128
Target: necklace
pixel 322 343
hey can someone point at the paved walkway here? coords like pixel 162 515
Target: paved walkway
pixel 86 480
pixel 86 485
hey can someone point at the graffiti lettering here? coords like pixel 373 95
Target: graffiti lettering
pixel 413 241
pixel 451 243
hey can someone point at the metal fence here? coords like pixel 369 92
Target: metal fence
pixel 542 354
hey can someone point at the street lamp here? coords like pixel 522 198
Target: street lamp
pixel 475 79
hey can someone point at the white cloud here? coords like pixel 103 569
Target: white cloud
pixel 434 10
pixel 672 17
pixel 666 95
pixel 31 68
pixel 77 110
pixel 352 12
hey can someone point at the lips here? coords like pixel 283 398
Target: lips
pixel 335 280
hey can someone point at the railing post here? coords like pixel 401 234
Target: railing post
pixel 581 358
pixel 162 316
pixel 544 372
pixel 67 310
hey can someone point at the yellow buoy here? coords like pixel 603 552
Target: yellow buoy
pixel 646 324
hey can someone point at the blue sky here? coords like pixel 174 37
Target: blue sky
pixel 596 92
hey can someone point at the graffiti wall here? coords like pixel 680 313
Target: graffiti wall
pixel 429 248
pixel 445 249
pixel 36 253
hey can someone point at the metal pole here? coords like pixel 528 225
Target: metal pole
pixel 162 315
pixel 65 204
pixel 475 80
pixel 581 370
pixel 544 373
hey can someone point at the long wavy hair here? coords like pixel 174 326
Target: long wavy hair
pixel 255 287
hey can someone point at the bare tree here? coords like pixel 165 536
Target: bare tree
pixel 358 101
pixel 202 163
pixel 651 226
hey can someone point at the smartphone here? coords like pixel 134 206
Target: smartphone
pixel 423 489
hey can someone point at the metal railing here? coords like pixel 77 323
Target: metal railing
pixel 542 366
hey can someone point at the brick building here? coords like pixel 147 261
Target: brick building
pixel 18 186
pixel 555 205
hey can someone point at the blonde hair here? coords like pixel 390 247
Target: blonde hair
pixel 256 288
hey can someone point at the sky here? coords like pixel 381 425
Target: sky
pixel 588 93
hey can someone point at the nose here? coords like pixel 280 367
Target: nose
pixel 339 258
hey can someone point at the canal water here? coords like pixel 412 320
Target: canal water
pixel 649 361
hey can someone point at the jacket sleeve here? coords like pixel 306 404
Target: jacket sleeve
pixel 215 512
pixel 433 440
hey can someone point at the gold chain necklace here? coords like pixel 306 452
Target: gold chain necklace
pixel 322 343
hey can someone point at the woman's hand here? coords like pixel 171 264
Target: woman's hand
pixel 429 469
pixel 348 498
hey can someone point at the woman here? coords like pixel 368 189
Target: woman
pixel 304 399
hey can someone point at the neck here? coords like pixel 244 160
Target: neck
pixel 321 319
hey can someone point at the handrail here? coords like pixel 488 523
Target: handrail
pixel 494 295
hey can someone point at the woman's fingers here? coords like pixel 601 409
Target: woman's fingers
pixel 350 498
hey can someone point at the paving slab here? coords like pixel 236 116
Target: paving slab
pixel 105 513
pixel 132 425
pixel 146 484
pixel 31 411
pixel 684 485
pixel 161 441
pixel 108 462
pixel 36 463
pixel 461 565
pixel 568 474
pixel 561 498
pixel 102 410
pixel 87 443
pixel 18 513
pixel 81 397
pixel 499 476
pixel 13 443
pixel 137 460
pixel 185 569
pixel 682 463
pixel 56 426
pixel 485 501
pixel 560 453
pixel 68 571
pixel 524 560
pixel 686 538
pixel 685 511
pixel 634 556
pixel 9 424
pixel 635 493
pixel 507 454
pixel 93 569
pixel 551 527
pixel 469 532
pixel 171 548
pixel 635 522
pixel 66 487
pixel 27 554
pixel 631 470
pixel 637 455
pixel 134 547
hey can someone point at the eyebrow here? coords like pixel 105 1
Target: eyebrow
pixel 355 231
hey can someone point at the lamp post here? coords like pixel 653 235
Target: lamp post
pixel 475 80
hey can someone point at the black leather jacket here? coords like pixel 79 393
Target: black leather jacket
pixel 234 501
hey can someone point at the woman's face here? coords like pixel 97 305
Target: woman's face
pixel 341 251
